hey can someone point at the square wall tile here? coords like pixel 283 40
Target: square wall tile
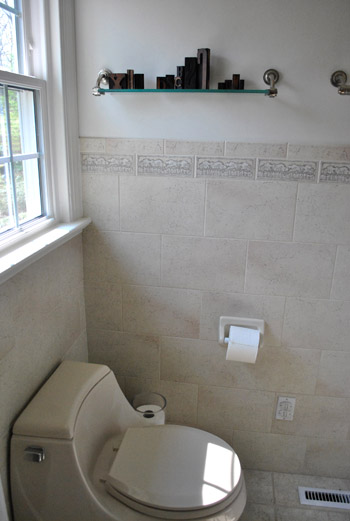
pixel 162 205
pixel 341 278
pixel 192 361
pixel 125 353
pixel 181 398
pixel 328 458
pixel 317 417
pixel 333 376
pixel 290 269
pixel 249 210
pixel 259 486
pixel 221 410
pixel 318 324
pixel 103 305
pixel 163 311
pixel 101 200
pixel 133 258
pixel 321 213
pixel 274 452
pixel 270 309
pixel 203 263
pixel 122 257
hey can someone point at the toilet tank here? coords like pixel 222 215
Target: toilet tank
pixel 53 411
pixel 81 402
pixel 70 419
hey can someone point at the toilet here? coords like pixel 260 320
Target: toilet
pixel 80 452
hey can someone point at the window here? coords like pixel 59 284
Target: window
pixel 40 184
pixel 23 200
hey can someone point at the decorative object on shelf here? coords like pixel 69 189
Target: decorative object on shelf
pixel 190 74
pixel 139 81
pixel 339 79
pixel 203 61
pixel 179 79
pixel 235 84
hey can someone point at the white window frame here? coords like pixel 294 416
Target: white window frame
pixel 50 54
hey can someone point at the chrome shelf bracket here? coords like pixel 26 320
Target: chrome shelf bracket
pixel 271 77
pixel 102 81
pixel 338 80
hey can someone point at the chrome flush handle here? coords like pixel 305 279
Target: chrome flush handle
pixel 36 454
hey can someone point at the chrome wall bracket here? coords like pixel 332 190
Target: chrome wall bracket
pixel 102 80
pixel 271 77
pixel 338 80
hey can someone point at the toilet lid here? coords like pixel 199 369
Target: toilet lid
pixel 174 468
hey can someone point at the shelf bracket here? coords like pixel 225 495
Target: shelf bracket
pixel 271 77
pixel 338 80
pixel 102 79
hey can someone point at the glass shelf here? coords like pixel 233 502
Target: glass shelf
pixel 184 91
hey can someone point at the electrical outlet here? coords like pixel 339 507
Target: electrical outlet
pixel 285 408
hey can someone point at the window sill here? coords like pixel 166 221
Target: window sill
pixel 22 256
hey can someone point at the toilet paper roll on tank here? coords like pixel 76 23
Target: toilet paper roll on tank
pixel 245 338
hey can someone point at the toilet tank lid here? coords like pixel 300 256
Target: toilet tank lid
pixel 53 411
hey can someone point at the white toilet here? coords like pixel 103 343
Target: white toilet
pixel 80 452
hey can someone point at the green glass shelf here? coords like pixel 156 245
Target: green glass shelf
pixel 184 91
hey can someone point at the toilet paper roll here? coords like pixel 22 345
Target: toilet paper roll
pixel 243 344
pixel 152 413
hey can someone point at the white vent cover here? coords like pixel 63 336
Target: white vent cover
pixel 320 497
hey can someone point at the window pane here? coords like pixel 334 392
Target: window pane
pixel 6 208
pixel 22 119
pixel 8 44
pixel 27 190
pixel 3 125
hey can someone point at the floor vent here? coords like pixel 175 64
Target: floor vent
pixel 320 497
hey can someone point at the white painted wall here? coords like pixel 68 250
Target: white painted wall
pixel 305 40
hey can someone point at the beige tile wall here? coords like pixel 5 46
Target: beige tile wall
pixel 42 321
pixel 184 232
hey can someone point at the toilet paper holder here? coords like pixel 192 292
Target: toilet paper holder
pixel 226 322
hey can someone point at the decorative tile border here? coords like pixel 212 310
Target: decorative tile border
pixel 214 159
pixel 93 163
pixel 319 152
pixel 124 146
pixel 92 145
pixel 225 167
pixel 168 166
pixel 262 150
pixel 335 172
pixel 199 148
pixel 287 170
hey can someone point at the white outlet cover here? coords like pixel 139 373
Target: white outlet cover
pixel 285 408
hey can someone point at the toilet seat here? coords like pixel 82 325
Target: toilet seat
pixel 174 472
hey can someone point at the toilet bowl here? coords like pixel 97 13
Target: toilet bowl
pixel 80 452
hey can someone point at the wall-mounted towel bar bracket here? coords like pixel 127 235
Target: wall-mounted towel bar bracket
pixel 271 77
pixel 338 80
